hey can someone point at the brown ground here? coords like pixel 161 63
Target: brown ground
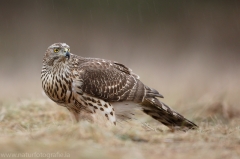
pixel 188 51
pixel 39 127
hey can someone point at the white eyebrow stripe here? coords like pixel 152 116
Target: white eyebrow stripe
pixel 54 46
pixel 58 45
pixel 64 45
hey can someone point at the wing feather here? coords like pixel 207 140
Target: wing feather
pixel 108 80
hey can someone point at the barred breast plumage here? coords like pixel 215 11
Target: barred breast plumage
pixel 98 86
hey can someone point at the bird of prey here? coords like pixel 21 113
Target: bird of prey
pixel 95 86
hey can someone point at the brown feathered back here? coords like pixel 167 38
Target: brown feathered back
pixel 97 86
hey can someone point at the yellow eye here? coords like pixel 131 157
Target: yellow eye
pixel 56 50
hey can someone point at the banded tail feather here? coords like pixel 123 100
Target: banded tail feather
pixel 164 114
pixel 96 86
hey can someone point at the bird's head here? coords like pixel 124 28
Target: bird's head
pixel 58 52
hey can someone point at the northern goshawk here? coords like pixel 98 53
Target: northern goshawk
pixel 96 86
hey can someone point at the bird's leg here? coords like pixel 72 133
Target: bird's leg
pixel 74 115
pixel 77 115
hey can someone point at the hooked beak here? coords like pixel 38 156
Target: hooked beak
pixel 67 54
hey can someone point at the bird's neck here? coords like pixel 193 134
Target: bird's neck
pixel 60 67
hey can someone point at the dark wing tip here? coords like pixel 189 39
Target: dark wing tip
pixel 159 95
pixel 189 124
pixel 152 93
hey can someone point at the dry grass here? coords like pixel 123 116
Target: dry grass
pixel 39 126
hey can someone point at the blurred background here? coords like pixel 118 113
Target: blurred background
pixel 188 50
